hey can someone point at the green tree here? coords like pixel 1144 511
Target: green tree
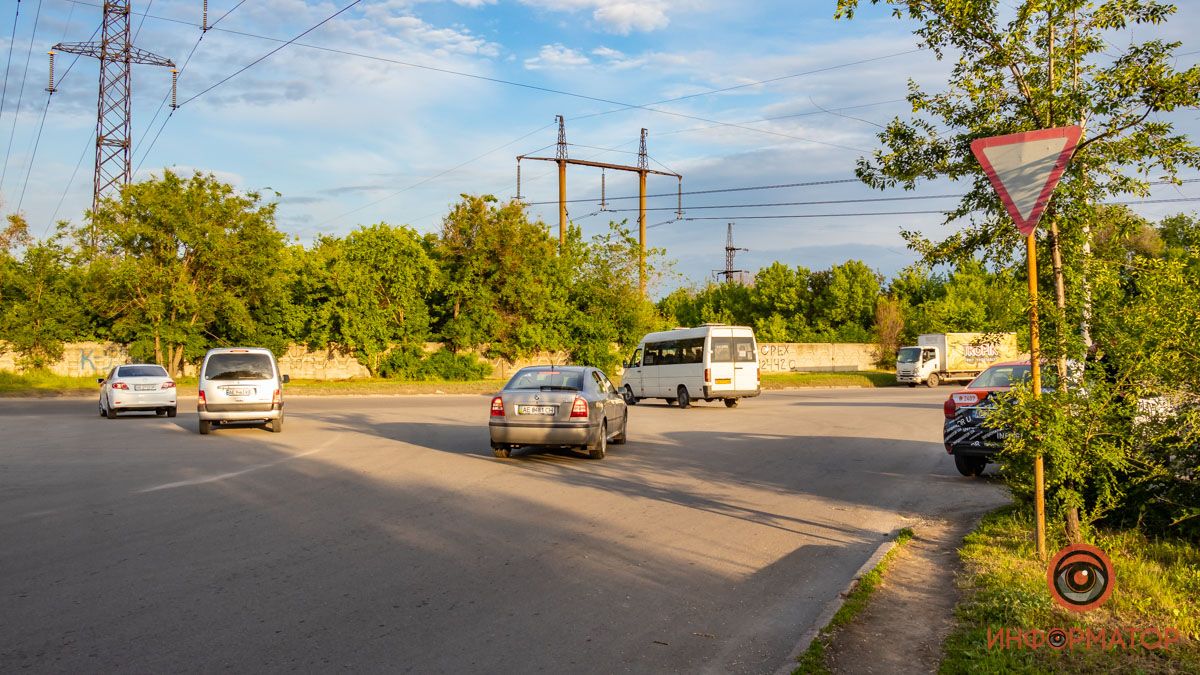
pixel 503 280
pixel 368 293
pixel 181 265
pixel 39 295
pixel 843 300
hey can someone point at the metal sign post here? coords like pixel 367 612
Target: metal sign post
pixel 1024 169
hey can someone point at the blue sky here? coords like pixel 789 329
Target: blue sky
pixel 350 140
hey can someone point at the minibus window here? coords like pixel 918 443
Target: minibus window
pixel 744 349
pixel 722 349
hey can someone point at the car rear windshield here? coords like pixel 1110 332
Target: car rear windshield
pixel 239 367
pixel 1002 376
pixel 565 380
pixel 141 371
pixel 733 350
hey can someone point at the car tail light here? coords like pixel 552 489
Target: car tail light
pixel 579 408
pixel 497 407
pixel 277 398
pixel 120 385
pixel 948 408
pixel 707 375
pixel 200 404
pixel 168 385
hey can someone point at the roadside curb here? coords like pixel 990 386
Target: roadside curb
pixel 832 607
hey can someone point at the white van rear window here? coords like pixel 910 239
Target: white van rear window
pixel 733 350
pixel 239 367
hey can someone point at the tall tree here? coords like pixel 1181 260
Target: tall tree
pixel 368 293
pixel 39 295
pixel 175 258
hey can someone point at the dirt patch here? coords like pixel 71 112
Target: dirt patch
pixel 912 611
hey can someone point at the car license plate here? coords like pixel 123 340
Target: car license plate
pixel 724 380
pixel 239 391
pixel 536 409
pixel 144 387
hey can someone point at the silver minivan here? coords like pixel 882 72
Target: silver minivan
pixel 240 384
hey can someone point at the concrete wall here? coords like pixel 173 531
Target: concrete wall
pixel 785 357
pixel 94 359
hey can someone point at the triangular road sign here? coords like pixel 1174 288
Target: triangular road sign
pixel 1024 168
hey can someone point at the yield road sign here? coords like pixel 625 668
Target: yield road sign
pixel 1024 168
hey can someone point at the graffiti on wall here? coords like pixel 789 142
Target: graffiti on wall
pixel 776 357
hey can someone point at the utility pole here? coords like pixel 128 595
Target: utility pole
pixel 730 252
pixel 116 55
pixel 642 170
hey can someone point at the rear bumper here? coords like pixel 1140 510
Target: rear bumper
pixel 143 400
pixel 541 433
pixel 730 393
pixel 234 412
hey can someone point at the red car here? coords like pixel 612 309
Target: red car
pixel 966 438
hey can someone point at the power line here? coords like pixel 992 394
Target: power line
pixel 12 41
pixel 21 95
pixel 623 105
pixel 264 57
pixel 714 191
pixel 66 189
pixel 813 203
pixel 905 213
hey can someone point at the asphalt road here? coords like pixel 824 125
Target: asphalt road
pixel 379 534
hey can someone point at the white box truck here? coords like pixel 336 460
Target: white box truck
pixel 942 357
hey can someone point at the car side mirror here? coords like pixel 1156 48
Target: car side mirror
pixel 285 379
pixel 99 380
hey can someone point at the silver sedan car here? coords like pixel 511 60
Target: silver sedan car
pixel 573 406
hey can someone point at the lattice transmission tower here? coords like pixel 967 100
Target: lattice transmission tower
pixel 116 55
pixel 730 251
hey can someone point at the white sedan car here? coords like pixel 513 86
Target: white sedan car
pixel 139 386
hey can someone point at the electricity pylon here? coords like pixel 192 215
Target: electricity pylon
pixel 116 55
pixel 730 252
pixel 642 170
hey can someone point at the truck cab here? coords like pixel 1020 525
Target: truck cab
pixel 915 365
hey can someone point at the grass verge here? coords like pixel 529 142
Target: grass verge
pixel 1157 585
pixel 36 384
pixel 33 384
pixel 861 378
pixel 813 658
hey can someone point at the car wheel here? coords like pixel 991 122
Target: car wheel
pixel 102 408
pixel 501 451
pixel 933 381
pixel 627 392
pixel 731 402
pixel 670 401
pixel 619 439
pixel 969 466
pixel 277 425
pixel 160 412
pixel 172 411
pixel 685 399
pixel 912 385
pixel 598 449
pixel 110 413
pixel 205 427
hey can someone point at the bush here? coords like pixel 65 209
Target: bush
pixel 408 364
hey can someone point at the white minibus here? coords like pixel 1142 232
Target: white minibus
pixel 712 361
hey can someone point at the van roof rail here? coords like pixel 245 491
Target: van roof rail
pixel 712 324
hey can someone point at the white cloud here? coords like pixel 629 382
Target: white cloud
pixel 624 17
pixel 556 56
pixel 618 16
